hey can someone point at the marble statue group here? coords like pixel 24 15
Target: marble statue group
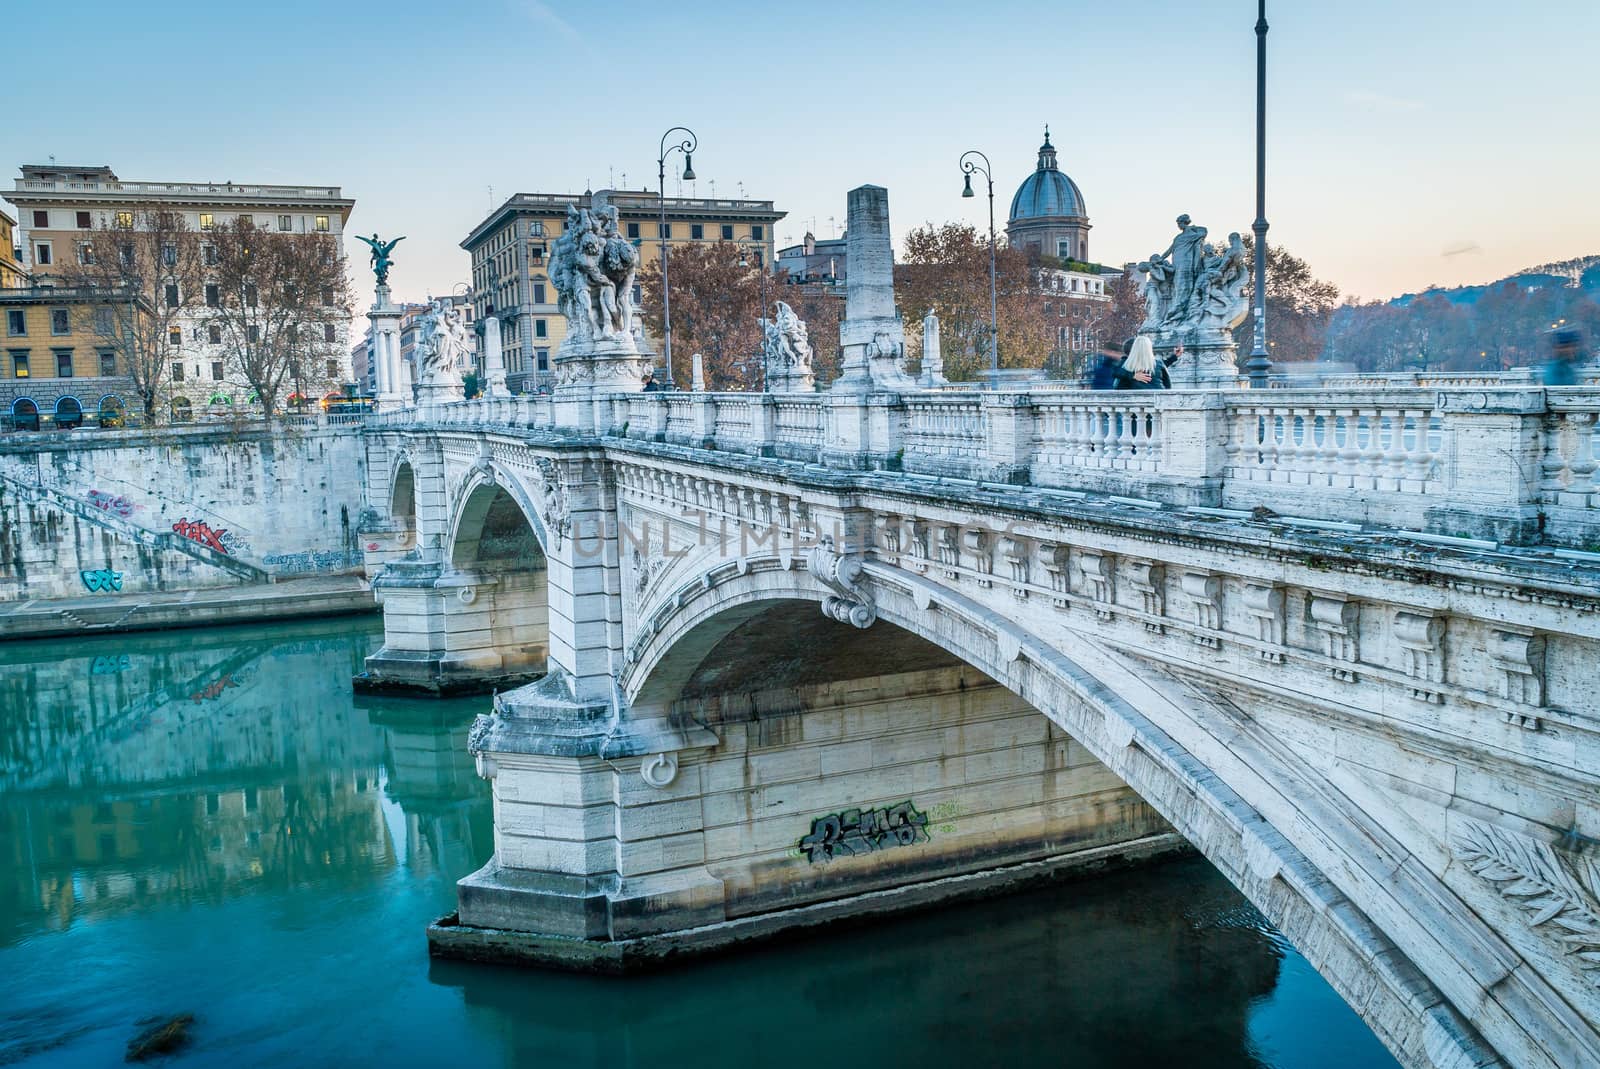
pixel 786 347
pixel 593 268
pixel 1193 286
pixel 444 344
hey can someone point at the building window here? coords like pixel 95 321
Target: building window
pixel 1064 250
pixel 333 367
pixel 327 296
pixel 60 321
pixel 172 294
pixel 42 254
pixel 86 254
pixel 246 220
pixel 124 220
pixel 757 232
pixel 16 322
pixel 125 250
pixel 63 363
pixel 250 294
pixel 1046 307
pixel 252 334
pixel 108 363
pixel 322 224
pixel 83 221
pixel 696 231
pixel 330 333
pixel 175 335
pixel 216 371
pixel 214 334
pixel 536 253
pixel 633 230
pixel 286 222
pixel 103 322
pixel 213 295
pixel 208 253
pixel 727 232
pixel 638 296
pixel 41 217
pixel 19 363
pixel 169 254
pixel 540 329
pixel 207 221
pixel 538 293
pixel 543 357
pixel 177 372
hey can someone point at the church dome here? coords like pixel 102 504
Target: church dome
pixel 1047 191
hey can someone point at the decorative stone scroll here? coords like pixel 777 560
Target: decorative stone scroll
pixel 920 554
pixel 1015 552
pixel 1149 579
pixel 949 553
pixel 978 546
pixel 1517 658
pixel 1053 558
pixel 1421 638
pixel 851 602
pixel 1099 577
pixel 1338 619
pixel 1264 604
pixel 890 537
pixel 1557 892
pixel 1204 592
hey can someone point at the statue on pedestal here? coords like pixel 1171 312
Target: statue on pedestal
pixel 786 353
pixel 593 268
pixel 381 260
pixel 442 350
pixel 1194 297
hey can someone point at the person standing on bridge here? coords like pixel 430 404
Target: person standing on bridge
pixel 1140 370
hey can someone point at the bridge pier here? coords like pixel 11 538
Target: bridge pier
pixel 731 812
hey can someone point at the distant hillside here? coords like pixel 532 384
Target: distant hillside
pixel 1471 328
pixel 1583 272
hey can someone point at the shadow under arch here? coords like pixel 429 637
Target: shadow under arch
pixel 403 500
pixel 1117 713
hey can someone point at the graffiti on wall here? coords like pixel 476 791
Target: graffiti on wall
pixel 101 580
pixel 321 561
pixel 212 691
pixel 106 501
pixel 202 532
pixel 863 831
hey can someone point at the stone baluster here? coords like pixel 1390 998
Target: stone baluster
pixel 1583 463
pixel 1394 455
pixel 1553 465
pixel 1419 458
pixel 1372 451
pixel 1349 451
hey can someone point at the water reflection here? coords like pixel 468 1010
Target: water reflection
pixel 209 822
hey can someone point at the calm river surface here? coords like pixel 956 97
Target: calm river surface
pixel 208 822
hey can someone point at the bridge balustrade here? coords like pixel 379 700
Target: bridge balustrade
pixel 1567 468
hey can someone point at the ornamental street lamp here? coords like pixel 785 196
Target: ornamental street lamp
pixel 687 147
pixel 1260 363
pixel 967 167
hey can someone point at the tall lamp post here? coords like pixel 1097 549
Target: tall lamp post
pixel 687 147
pixel 967 167
pixel 1260 363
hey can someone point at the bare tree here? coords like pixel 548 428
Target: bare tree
pixel 275 302
pixel 148 255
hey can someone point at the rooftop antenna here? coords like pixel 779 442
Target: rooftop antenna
pixel 611 176
pixel 741 190
pixel 713 189
pixel 833 228
pixel 624 179
pixel 491 196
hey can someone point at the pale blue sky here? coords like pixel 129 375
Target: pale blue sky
pixel 1411 142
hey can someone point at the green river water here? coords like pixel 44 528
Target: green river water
pixel 208 822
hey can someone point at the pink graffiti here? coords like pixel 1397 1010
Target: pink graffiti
pixel 213 691
pixel 201 532
pixel 372 545
pixel 107 502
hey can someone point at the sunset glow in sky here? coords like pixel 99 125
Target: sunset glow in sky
pixel 1410 142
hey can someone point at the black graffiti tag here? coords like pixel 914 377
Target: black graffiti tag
pixel 858 831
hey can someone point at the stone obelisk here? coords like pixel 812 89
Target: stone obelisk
pixel 871 336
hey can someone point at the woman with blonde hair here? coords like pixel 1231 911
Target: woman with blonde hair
pixel 1140 370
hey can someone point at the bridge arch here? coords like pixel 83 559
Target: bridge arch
pixel 1133 718
pixel 403 500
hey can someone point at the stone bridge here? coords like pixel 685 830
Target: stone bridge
pixel 810 655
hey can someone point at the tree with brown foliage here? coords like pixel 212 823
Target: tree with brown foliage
pixel 946 269
pixel 716 308
pixel 1299 307
pixel 149 255
pixel 276 301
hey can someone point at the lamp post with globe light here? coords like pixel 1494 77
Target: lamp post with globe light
pixel 968 167
pixel 687 147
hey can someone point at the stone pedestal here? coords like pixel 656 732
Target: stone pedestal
pixel 1209 361
pixel 871 335
pixel 494 365
pixel 392 382
pixel 588 370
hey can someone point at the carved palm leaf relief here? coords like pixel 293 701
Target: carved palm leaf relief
pixel 1557 891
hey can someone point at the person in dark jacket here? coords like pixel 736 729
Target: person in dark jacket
pixel 1140 370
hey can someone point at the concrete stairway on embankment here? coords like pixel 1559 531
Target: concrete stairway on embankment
pixel 130 531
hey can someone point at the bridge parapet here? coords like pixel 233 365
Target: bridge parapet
pixel 1504 462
